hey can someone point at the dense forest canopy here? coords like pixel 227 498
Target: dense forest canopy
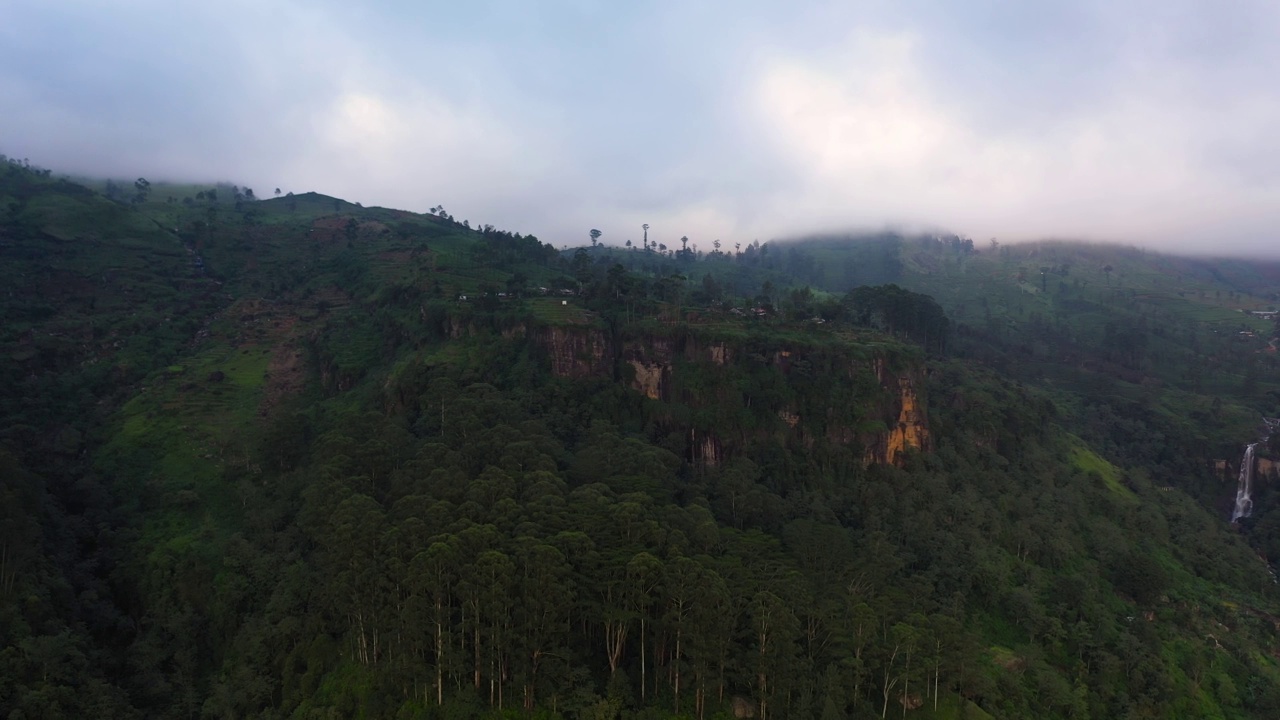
pixel 293 457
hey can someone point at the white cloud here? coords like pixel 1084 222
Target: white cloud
pixel 1143 123
pixel 874 142
pixel 415 149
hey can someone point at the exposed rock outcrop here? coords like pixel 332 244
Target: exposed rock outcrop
pixel 910 429
pixel 578 352
pixel 1269 469
pixel 648 378
pixel 682 368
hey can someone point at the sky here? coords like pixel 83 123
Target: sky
pixel 1143 122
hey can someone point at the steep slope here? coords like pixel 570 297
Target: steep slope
pixel 1158 360
pixel 583 491
pixel 1161 362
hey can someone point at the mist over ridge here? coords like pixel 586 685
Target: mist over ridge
pixel 1144 123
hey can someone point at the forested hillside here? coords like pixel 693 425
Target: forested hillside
pixel 299 458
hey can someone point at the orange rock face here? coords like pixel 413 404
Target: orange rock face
pixel 651 361
pixel 912 431
pixel 648 379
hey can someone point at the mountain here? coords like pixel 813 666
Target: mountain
pixel 295 457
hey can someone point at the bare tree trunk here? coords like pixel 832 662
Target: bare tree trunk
pixel 675 663
pixel 764 695
pixel 363 641
pixel 889 681
pixel 720 680
pixel 439 656
pixel 642 624
pixel 937 666
pixel 659 651
pixel 906 685
pixel 615 636
pixel 533 681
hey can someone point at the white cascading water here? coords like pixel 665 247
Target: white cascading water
pixel 1244 487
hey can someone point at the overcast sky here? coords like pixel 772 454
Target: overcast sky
pixel 1156 123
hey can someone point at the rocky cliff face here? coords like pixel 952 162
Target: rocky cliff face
pixel 578 352
pixel 651 360
pixel 1269 469
pixel 1228 471
pixel 663 368
pixel 909 430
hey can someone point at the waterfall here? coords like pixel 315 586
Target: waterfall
pixel 1244 486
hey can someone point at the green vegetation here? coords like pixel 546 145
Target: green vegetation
pixel 262 459
pixel 1088 462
